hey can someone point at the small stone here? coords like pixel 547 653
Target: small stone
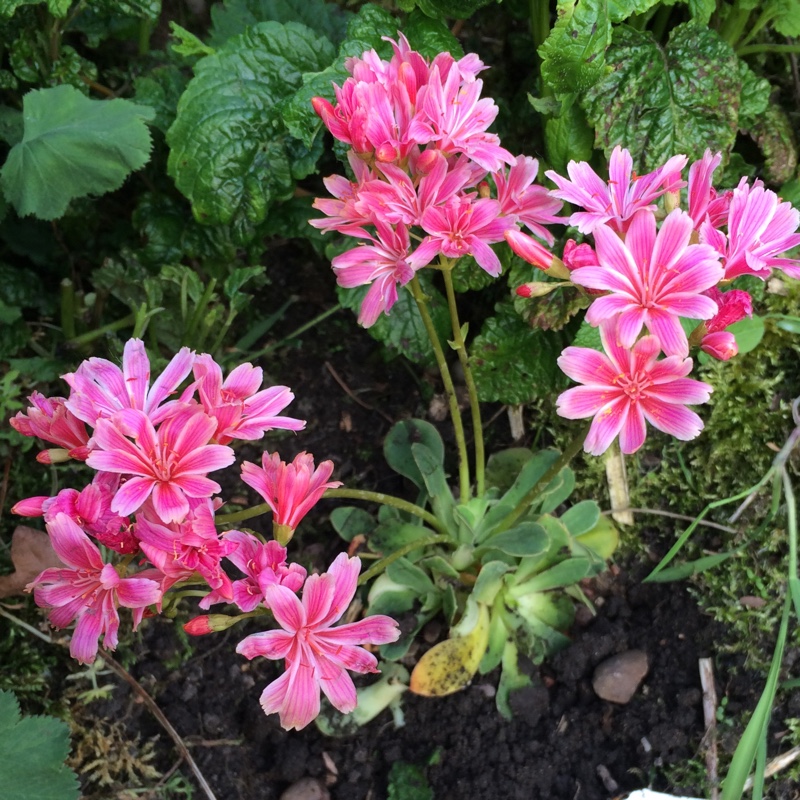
pixel 617 678
pixel 306 789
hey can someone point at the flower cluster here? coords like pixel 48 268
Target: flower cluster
pixel 153 447
pixel 420 157
pixel 426 169
pixel 649 279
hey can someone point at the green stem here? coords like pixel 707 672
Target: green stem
pixel 764 18
pixel 68 308
pixel 376 569
pixel 572 450
pixel 735 23
pixel 449 388
pixel 200 309
pixel 90 336
pixel 767 48
pixel 472 390
pixel 660 21
pixel 298 331
pixel 351 494
pixel 540 22
pixel 140 321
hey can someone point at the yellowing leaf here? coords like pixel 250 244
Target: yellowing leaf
pixel 602 539
pixel 450 665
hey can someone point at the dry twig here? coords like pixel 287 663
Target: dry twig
pixel 346 389
pixel 710 718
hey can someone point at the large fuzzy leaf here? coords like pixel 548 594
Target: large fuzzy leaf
pixel 72 146
pixel 32 755
pixel 658 101
pixel 229 152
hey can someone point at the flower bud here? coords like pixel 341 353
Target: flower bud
pixel 528 249
pixel 208 623
pixel 427 161
pixel 30 507
pixel 386 153
pixel 55 455
pixel 720 345
pixel 539 288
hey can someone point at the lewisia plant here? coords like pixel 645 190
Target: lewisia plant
pixel 146 528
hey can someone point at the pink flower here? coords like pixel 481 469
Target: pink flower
pixel 193 545
pixel 451 114
pixel 522 201
pixel 90 509
pixel 100 388
pixel 317 654
pixel 263 565
pixel 615 202
pixel 578 255
pixel 721 345
pixel 344 213
pixel 290 490
pixel 625 388
pixel 384 264
pixel 653 280
pixel 760 229
pixel 734 306
pixel 90 592
pixel 463 226
pixel 49 419
pixel 703 200
pixel 239 408
pixel 170 463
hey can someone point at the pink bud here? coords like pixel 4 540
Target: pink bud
pixel 208 623
pixel 578 255
pixel 529 249
pixel 386 153
pixel 427 161
pixel 30 507
pixel 720 345
pixel 55 455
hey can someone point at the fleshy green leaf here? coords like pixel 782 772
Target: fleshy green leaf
pixel 659 101
pixel 526 539
pixel 398 442
pixel 71 147
pixel 514 363
pixel 32 755
pixel 350 521
pixel 228 148
pixel 405 573
pixel 581 517
pixel 748 333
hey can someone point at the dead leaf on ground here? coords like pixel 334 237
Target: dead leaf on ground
pixel 31 553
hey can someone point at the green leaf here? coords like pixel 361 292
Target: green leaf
pixel 71 147
pixel 701 10
pixel 513 363
pixel 504 466
pixel 689 568
pixel 469 275
pixel 432 472
pixel 408 782
pixel 526 539
pixel 439 9
pixel 398 443
pixel 402 329
pixel 659 101
pixel 568 137
pixel 787 21
pixel 754 96
pixel 566 573
pixel 233 17
pixel 58 8
pixel 581 517
pixel 349 522
pixel 773 132
pixel 32 755
pixel 405 573
pixel 430 36
pixel 11 125
pixel 748 333
pixel 388 537
pixel 572 55
pixel 557 491
pixel 161 89
pixel 188 44
pixel 228 146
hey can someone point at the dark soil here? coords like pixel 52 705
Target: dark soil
pixel 564 743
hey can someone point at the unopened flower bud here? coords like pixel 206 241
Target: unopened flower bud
pixel 578 255
pixel 55 455
pixel 539 288
pixel 30 507
pixel 720 345
pixel 427 161
pixel 209 623
pixel 528 249
pixel 484 191
pixel 386 153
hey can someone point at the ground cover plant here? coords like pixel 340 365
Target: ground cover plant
pixel 156 160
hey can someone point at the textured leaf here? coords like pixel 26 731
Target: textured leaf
pixel 658 101
pixel 701 10
pixel 72 146
pixel 32 755
pixel 402 330
pixel 513 363
pixel 572 55
pixel 58 8
pixel 754 97
pixel 567 137
pixel 187 44
pixel 228 149
pixel 774 134
pixel 787 21
pixel 233 17
pixel 430 36
pixel 439 9
pixel 161 89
